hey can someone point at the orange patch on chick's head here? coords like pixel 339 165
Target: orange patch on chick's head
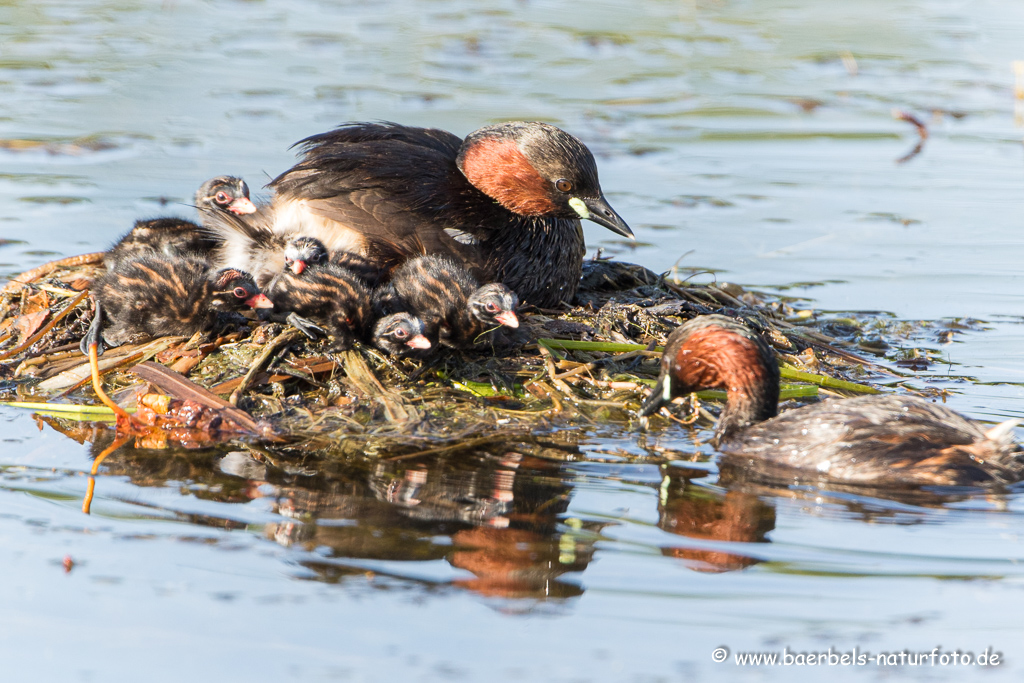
pixel 227 275
pixel 497 168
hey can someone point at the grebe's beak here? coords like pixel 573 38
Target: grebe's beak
pixel 659 396
pixel 418 342
pixel 242 205
pixel 259 301
pixel 597 209
pixel 508 319
pixel 298 266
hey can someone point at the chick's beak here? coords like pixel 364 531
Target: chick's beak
pixel 298 266
pixel 418 342
pixel 597 209
pixel 259 301
pixel 508 319
pixel 242 205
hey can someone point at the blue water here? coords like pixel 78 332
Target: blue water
pixel 754 140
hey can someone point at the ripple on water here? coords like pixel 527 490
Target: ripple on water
pixel 361 567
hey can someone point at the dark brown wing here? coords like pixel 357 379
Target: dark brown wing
pixel 383 190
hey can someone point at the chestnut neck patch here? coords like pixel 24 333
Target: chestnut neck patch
pixel 497 168
pixel 717 358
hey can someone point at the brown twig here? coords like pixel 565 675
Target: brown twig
pixel 46 328
pixel 176 385
pixel 470 443
pixel 922 133
pixel 586 367
pixel 285 337
pixel 549 363
pixel 49 359
pixel 901 115
pixel 617 386
pixel 30 276
pixel 360 375
pixel 139 353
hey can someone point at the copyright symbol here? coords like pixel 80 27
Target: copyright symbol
pixel 720 654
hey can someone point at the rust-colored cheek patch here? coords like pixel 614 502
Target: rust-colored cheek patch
pixel 714 358
pixel 498 169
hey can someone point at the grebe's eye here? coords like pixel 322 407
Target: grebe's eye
pixel 563 185
pixel 222 198
pixel 240 293
pixel 492 307
pixel 400 333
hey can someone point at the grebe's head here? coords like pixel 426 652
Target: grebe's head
pixel 400 334
pixel 235 289
pixel 716 352
pixel 536 169
pixel 494 304
pixel 225 193
pixel 302 252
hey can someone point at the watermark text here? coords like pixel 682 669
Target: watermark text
pixel 937 656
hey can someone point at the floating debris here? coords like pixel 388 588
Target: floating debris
pixel 919 126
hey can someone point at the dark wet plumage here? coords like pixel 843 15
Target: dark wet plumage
pixel 158 295
pixel 177 236
pixel 370 272
pixel 161 236
pixel 456 311
pixel 501 202
pixel 320 292
pixel 877 440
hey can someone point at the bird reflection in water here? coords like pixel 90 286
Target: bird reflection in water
pixel 497 515
pixel 703 514
pixel 497 512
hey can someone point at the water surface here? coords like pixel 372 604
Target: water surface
pixel 753 140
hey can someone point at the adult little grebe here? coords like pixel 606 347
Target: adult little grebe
pixel 456 311
pixel 878 440
pixel 507 200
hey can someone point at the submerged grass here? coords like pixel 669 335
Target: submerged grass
pixel 587 365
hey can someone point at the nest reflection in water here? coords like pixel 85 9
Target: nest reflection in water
pixel 495 519
pixel 466 458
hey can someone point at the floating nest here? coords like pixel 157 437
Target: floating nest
pixel 263 382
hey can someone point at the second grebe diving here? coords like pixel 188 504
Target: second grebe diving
pixel 876 440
